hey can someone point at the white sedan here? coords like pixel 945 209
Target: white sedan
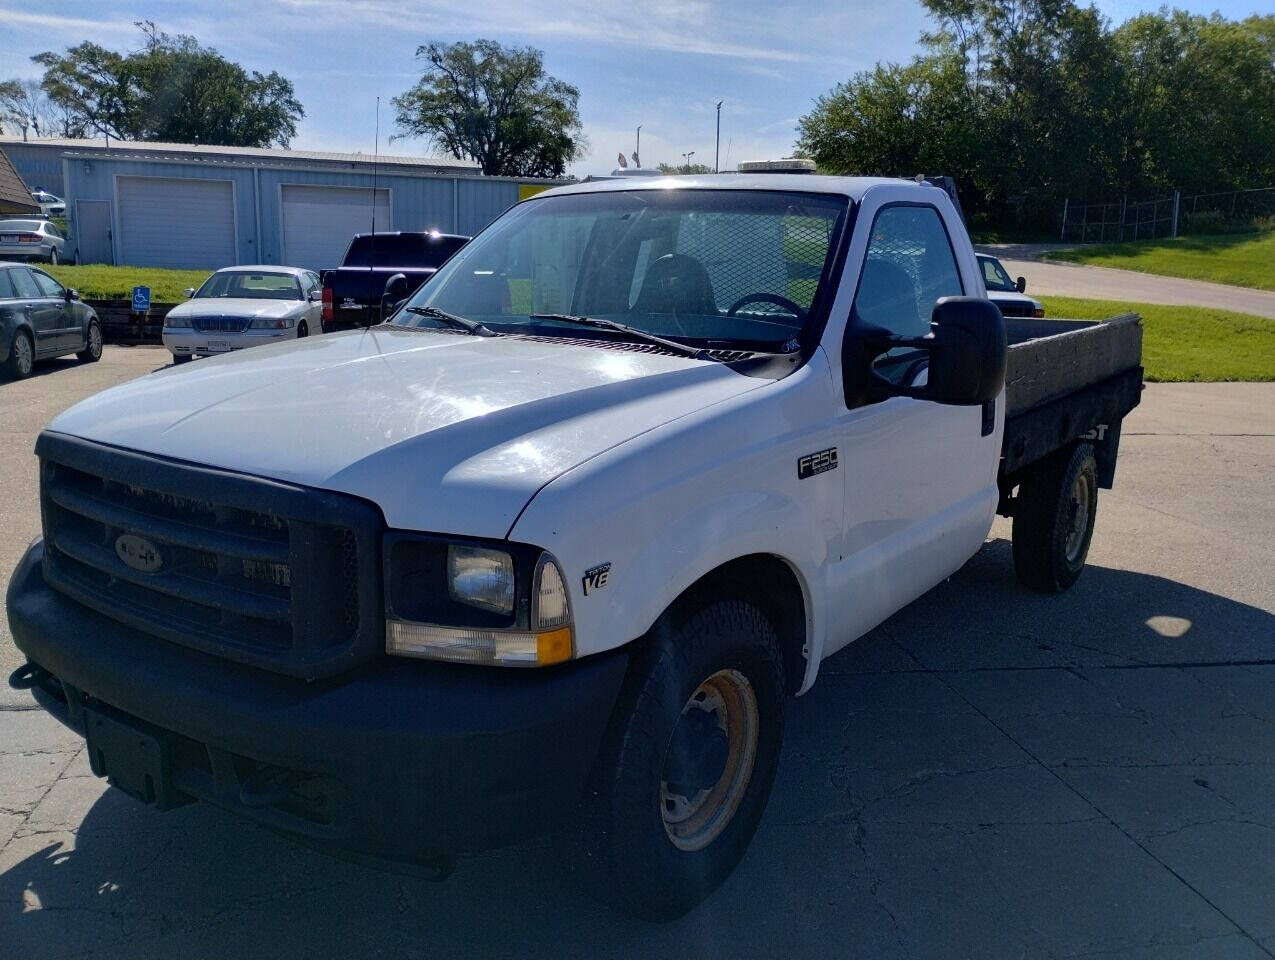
pixel 240 307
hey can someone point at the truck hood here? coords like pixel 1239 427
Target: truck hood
pixel 445 432
pixel 236 307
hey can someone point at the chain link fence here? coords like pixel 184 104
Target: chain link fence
pixel 1168 216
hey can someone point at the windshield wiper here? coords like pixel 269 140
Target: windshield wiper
pixel 699 353
pixel 461 323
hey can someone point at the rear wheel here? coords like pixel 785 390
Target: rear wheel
pixel 1054 519
pixel 53 256
pixel 687 764
pixel 21 357
pixel 92 351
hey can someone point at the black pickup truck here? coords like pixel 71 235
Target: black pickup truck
pixel 352 292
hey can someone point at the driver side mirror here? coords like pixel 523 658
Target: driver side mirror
pixel 71 294
pixel 1021 284
pixel 966 352
pixel 395 292
pixel 188 292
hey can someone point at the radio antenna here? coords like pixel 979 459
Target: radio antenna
pixel 376 152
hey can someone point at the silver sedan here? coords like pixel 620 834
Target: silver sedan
pixel 24 239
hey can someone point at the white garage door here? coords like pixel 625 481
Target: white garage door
pixel 176 223
pixel 318 222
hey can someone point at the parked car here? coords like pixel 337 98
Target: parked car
pixel 355 293
pixel 240 307
pixel 31 239
pixel 50 205
pixel 549 550
pixel 40 318
pixel 1006 293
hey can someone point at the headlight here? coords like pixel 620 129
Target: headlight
pixel 171 321
pixel 481 577
pixel 501 604
pixel 270 323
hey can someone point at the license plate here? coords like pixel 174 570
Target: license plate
pixel 131 755
pixel 9 238
pixel 217 346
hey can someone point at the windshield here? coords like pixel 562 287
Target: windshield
pixel 704 266
pixel 251 286
pixel 994 275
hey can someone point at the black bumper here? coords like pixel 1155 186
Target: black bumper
pixel 399 759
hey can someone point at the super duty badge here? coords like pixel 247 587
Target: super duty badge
pixel 814 463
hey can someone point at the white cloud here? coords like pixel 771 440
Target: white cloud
pixel 52 21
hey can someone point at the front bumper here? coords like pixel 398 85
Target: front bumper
pixel 408 759
pixel 182 341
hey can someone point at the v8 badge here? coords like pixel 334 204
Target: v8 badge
pixel 595 578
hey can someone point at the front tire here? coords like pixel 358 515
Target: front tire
pixel 302 330
pixel 21 357
pixel 1054 519
pixel 179 358
pixel 92 351
pixel 686 766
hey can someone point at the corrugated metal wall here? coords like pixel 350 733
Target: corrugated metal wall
pixel 39 167
pixel 446 203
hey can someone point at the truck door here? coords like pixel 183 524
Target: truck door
pixel 920 476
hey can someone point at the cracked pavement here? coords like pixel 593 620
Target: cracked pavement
pixel 990 773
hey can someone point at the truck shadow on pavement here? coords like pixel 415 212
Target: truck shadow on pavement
pixel 989 773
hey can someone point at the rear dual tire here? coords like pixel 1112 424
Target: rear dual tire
pixel 686 765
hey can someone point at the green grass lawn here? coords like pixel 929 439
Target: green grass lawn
pixel 1188 343
pixel 98 282
pixel 1242 259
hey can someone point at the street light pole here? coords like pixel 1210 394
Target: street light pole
pixel 717 157
pixel 637 149
pixel 687 158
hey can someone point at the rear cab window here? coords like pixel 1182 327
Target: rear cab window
pixel 412 250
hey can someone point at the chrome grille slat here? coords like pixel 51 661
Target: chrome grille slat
pixel 220 324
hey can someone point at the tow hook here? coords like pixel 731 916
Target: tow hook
pixel 28 676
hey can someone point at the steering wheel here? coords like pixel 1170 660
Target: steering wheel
pixel 771 298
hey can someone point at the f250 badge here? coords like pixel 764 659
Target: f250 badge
pixel 595 578
pixel 816 463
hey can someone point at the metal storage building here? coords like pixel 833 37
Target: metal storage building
pixel 203 207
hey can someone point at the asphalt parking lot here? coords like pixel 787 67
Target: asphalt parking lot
pixel 990 773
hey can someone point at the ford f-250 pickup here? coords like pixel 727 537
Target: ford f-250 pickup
pixel 617 480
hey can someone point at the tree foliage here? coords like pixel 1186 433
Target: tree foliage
pixel 683 168
pixel 172 90
pixel 493 105
pixel 1027 102
pixel 25 109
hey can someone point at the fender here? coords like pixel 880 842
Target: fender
pixel 671 505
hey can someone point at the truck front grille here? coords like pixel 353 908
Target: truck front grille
pixel 269 574
pixel 220 324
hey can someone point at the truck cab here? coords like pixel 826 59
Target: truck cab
pixel 549 551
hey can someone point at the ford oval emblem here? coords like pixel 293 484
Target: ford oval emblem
pixel 139 553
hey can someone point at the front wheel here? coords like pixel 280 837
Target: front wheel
pixel 1054 518
pixel 302 330
pixel 181 358
pixel 687 764
pixel 92 351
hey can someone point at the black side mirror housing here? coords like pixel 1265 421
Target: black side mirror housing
pixel 966 350
pixel 70 295
pixel 1021 284
pixel 395 292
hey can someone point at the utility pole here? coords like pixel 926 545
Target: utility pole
pixel 687 158
pixel 717 157
pixel 637 148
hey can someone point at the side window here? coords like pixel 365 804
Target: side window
pixel 6 286
pixel 990 276
pixel 48 286
pixel 909 265
pixel 23 284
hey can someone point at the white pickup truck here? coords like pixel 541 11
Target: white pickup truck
pixel 548 551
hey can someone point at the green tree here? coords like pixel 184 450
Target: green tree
pixel 684 168
pixel 173 90
pixel 493 105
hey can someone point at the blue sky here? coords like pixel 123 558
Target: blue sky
pixel 659 63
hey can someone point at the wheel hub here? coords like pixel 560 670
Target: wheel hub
pixel 709 760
